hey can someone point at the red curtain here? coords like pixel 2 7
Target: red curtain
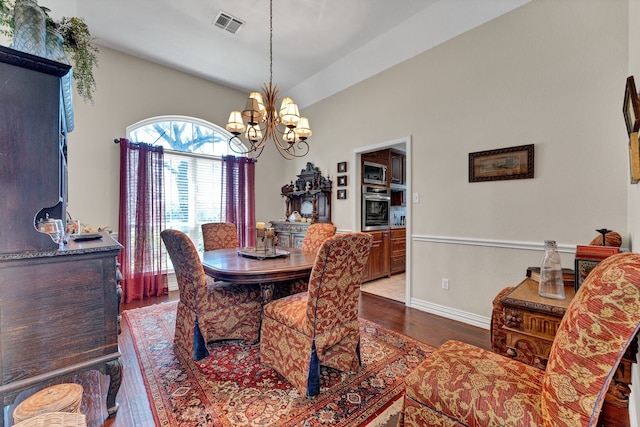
pixel 140 221
pixel 238 196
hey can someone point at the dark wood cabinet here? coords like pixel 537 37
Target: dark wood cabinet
pixel 309 195
pixel 396 166
pixel 378 263
pixel 398 250
pixel 58 307
pixel 395 161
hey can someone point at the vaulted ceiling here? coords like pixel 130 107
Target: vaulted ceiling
pixel 319 46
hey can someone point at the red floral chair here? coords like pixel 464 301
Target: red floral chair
pixel 318 327
pixel 219 235
pixel 316 234
pixel 208 310
pixel 462 385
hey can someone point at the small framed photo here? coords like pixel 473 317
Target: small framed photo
pixel 342 167
pixel 500 164
pixel 342 194
pixel 342 181
pixel 583 267
pixel 631 107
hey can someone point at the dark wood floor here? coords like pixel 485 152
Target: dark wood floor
pixel 132 397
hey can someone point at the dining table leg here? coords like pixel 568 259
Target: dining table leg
pixel 267 292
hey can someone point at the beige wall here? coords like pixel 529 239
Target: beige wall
pixel 549 73
pixel 129 90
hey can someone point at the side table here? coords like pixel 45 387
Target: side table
pixel 530 325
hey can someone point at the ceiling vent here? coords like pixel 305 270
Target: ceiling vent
pixel 228 22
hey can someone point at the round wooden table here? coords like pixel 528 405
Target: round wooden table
pixel 228 265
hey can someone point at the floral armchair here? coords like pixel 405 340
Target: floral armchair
pixel 208 310
pixel 219 235
pixel 318 327
pixel 462 385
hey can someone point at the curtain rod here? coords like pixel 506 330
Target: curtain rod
pixel 116 141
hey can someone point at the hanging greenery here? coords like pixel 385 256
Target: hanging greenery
pixel 76 43
pixel 83 55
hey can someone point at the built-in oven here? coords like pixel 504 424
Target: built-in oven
pixel 376 203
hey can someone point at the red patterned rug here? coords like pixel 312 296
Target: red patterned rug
pixel 231 388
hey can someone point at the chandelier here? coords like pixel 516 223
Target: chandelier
pixel 261 122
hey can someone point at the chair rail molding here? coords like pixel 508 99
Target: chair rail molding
pixel 493 243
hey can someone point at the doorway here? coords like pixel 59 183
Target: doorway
pixel 402 280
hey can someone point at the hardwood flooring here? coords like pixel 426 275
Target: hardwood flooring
pixel 132 397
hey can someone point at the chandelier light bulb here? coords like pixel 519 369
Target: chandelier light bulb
pixel 303 131
pixel 235 124
pixel 253 134
pixel 291 115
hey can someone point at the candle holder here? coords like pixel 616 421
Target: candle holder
pixel 265 245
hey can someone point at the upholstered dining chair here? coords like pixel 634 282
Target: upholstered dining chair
pixel 462 385
pixel 316 234
pixel 219 235
pixel 207 310
pixel 318 327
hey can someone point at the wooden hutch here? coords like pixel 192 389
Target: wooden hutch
pixel 58 307
pixel 310 196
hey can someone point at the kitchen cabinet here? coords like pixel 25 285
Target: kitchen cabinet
pixel 397 163
pixel 397 250
pixel 378 263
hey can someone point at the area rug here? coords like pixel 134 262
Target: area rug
pixel 231 388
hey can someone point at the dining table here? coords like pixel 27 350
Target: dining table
pixel 242 266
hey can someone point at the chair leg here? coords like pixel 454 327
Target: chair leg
pixel 199 346
pixel 313 383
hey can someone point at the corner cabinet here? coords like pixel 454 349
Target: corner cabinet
pixel 58 307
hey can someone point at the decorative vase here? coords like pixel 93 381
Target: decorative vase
pixel 29 27
pixel 551 282
pixel 54 47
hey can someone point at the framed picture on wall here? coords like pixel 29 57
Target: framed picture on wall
pixel 631 107
pixel 502 163
pixel 342 181
pixel 342 167
pixel 342 194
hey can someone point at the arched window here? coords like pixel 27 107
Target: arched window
pixel 192 169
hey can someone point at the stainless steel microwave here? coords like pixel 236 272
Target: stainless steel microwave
pixel 374 173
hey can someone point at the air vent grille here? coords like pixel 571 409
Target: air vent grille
pixel 228 22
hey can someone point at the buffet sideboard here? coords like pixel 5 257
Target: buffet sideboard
pixel 58 306
pixel 59 316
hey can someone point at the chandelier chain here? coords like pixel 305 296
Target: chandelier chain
pixel 270 42
pixel 264 122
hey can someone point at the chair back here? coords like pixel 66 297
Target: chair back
pixel 187 265
pixel 316 234
pixel 334 284
pixel 600 323
pixel 219 235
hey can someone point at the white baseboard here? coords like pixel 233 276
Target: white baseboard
pixel 451 313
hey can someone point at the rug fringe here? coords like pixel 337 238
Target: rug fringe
pixel 382 419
